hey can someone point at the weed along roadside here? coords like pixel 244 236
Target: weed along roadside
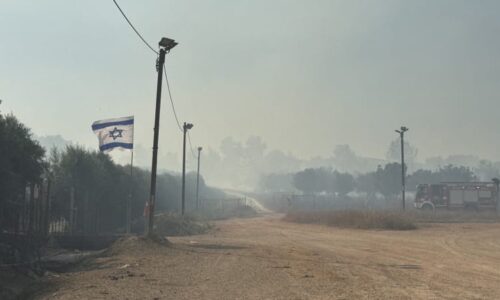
pixel 356 219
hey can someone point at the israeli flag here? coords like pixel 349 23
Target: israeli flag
pixel 115 133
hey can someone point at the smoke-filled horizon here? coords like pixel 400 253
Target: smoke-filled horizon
pixel 304 76
pixel 243 164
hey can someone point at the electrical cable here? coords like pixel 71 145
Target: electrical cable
pixel 164 71
pixel 171 99
pixel 191 146
pixel 175 112
pixel 131 25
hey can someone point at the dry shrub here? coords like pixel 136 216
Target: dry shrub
pixel 169 224
pixel 137 244
pixel 242 211
pixel 355 219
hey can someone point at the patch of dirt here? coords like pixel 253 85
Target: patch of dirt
pixel 267 258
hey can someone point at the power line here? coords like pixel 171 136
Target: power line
pixel 166 77
pixel 175 112
pixel 191 146
pixel 131 25
pixel 172 100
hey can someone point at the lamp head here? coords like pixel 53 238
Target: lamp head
pixel 167 43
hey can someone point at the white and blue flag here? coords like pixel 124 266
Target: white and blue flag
pixel 115 133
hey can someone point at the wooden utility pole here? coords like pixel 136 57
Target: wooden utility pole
pixel 198 180
pixel 185 128
pixel 152 192
pixel 403 169
pixel 165 46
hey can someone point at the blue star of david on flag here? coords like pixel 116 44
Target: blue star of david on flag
pixel 115 133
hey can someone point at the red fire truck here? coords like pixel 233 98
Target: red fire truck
pixel 470 195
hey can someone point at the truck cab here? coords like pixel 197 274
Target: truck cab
pixel 430 196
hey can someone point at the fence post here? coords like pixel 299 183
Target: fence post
pixel 47 209
pixel 86 214
pixel 31 208
pixel 71 209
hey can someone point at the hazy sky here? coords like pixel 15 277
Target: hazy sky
pixel 304 75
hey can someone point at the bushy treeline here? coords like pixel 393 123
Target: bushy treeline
pixel 385 180
pixel 83 181
pixel 21 158
pixel 101 188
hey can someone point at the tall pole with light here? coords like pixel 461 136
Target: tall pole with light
pixel 496 181
pixel 198 180
pixel 166 45
pixel 403 169
pixel 185 128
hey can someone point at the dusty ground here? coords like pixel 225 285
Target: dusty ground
pixel 267 258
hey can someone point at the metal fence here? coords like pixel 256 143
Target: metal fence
pixel 29 213
pixel 38 213
pixel 24 226
pixel 315 202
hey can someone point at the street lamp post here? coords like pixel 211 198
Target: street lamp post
pixel 403 169
pixel 198 180
pixel 186 127
pixel 496 181
pixel 165 46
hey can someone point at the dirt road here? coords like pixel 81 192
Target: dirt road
pixel 266 258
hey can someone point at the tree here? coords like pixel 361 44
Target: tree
pixel 487 170
pixel 421 176
pixel 21 158
pixel 278 162
pixel 447 173
pixel 345 158
pixel 306 181
pixel 323 180
pixel 343 182
pixel 388 179
pixel 367 183
pixel 455 173
pixel 276 182
pixel 394 153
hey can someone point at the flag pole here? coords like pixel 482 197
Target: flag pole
pixel 129 202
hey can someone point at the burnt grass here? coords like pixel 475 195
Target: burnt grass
pixel 355 219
